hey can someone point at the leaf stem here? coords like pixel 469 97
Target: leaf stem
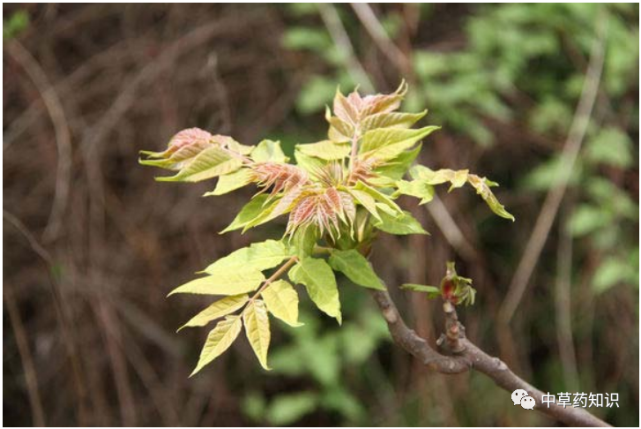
pixel 282 270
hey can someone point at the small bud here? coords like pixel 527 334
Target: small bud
pixel 182 147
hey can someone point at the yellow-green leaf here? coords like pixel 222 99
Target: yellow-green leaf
pixel 309 163
pixel 219 340
pixel 224 283
pixel 388 143
pixel 378 196
pixel 282 301
pixel 326 149
pixel 356 267
pixel 249 212
pixel 257 330
pixel 401 225
pixel 258 256
pixel 230 182
pixel 457 178
pixel 320 282
pixel 391 120
pixel 482 186
pixel 209 163
pixel 416 188
pixel 218 309
pixel 269 151
pixel 366 201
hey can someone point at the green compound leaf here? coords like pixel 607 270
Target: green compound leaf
pixel 320 282
pixel 326 150
pixel 356 267
pixel 269 151
pixel 388 143
pixel 258 256
pixel 219 340
pixel 282 301
pixel 231 282
pixel 218 309
pixel 209 163
pixel 257 330
pixel 230 182
pixel 458 179
pixel 402 225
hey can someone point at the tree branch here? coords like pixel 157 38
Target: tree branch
pixel 466 355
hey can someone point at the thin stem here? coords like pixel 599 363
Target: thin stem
pixel 282 270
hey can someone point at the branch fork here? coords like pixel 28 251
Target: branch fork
pixel 463 355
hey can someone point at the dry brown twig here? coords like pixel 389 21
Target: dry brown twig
pixel 463 355
pixel 553 200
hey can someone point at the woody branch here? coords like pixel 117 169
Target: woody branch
pixel 463 355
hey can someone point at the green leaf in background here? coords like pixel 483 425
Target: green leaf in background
pixel 320 282
pixel 209 163
pixel 218 309
pixel 16 24
pixel 299 38
pixel 232 181
pixel 232 282
pixel 258 256
pixel 402 225
pixel 610 146
pixel 219 340
pixel 586 219
pixel 269 151
pixel 282 301
pixel 611 272
pixel 356 267
pixel 256 323
pixel 315 94
pixel 289 408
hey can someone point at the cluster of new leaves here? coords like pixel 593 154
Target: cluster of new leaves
pixel 338 196
pixel 453 288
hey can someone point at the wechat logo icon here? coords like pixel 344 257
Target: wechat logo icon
pixel 522 398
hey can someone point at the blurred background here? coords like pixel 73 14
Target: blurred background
pixel 92 244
